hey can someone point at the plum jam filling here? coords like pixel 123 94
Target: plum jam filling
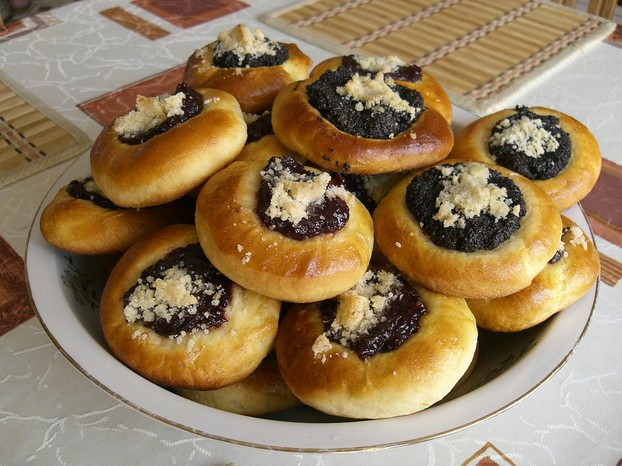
pixel 87 190
pixel 154 116
pixel 183 293
pixel 300 203
pixel 465 207
pixel 376 316
pixel 530 144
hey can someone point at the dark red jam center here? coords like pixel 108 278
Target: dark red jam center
pixel 401 320
pixel 259 128
pixel 382 122
pixel 481 232
pixel 328 216
pixel 409 73
pixel 226 59
pixel 78 190
pixel 209 313
pixel 192 106
pixel 560 252
pixel 543 167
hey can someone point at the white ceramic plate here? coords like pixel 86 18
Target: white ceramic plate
pixel 65 291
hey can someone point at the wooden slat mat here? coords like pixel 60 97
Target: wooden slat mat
pixel 32 136
pixel 483 51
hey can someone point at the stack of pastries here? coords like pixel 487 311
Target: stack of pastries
pixel 290 234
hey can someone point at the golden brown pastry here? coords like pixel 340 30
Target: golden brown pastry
pixel 408 75
pixel 563 281
pixel 169 315
pixel 555 151
pixel 85 222
pixel 247 65
pixel 468 229
pixel 284 230
pixel 387 348
pixel 167 146
pixel 262 392
pixel 360 124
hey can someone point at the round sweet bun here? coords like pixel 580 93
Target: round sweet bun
pixel 238 243
pixel 405 380
pixel 301 128
pixel 173 163
pixel 569 186
pixel 554 289
pixel 434 94
pixel 196 360
pixel 254 88
pixel 82 227
pixel 262 392
pixel 504 270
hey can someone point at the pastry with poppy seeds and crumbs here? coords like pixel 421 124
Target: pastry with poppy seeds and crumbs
pixel 468 229
pixel 248 65
pixel 171 316
pixel 552 149
pixel 357 123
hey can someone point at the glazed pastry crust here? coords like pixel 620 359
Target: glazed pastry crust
pixel 262 392
pixel 408 379
pixel 225 355
pixel 554 289
pixel 238 243
pixel 301 128
pixel 434 94
pixel 171 164
pixel 254 88
pixel 264 149
pixel 570 185
pixel 480 274
pixel 82 227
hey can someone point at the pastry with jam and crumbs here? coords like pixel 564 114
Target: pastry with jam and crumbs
pixel 468 229
pixel 405 74
pixel 167 146
pixel 552 149
pixel 568 275
pixel 360 123
pixel 381 349
pixel 80 219
pixel 171 316
pixel 284 229
pixel 248 65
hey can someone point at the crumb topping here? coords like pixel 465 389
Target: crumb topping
pixel 372 93
pixel 293 193
pixel 241 42
pixel 526 135
pixel 149 113
pixel 360 308
pixel 467 193
pixel 387 64
pixel 577 237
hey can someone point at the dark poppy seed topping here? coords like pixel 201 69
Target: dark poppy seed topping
pixel 466 206
pixel 530 144
pixel 241 48
pixel 392 67
pixel 364 106
pixel 87 190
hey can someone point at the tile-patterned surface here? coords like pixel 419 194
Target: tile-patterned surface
pixel 189 13
pixel 134 23
pixel 14 300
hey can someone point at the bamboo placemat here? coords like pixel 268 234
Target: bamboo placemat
pixel 482 51
pixel 32 136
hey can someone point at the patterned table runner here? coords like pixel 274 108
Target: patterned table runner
pixel 483 51
pixel 33 136
pixel 15 307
